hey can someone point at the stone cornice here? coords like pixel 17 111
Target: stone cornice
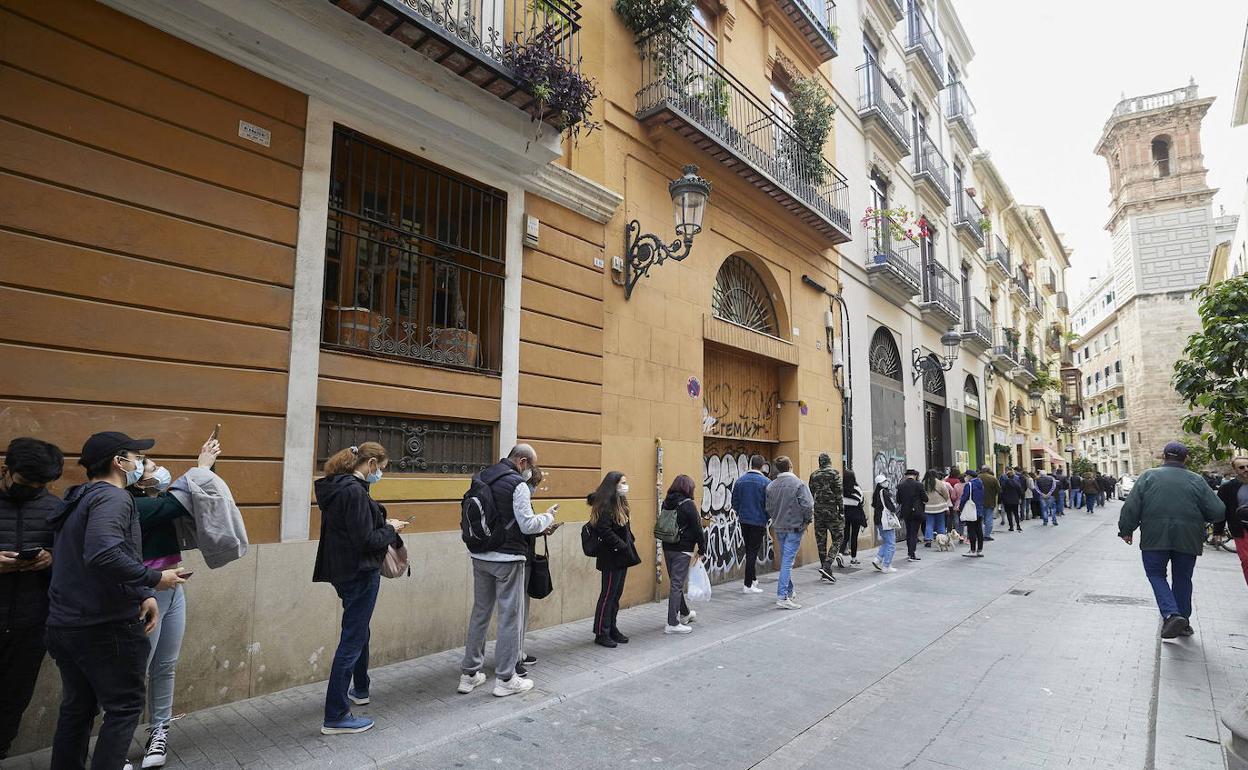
pixel 573 191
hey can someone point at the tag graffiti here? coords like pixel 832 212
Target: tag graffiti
pixel 724 539
pixel 891 465
pixel 749 413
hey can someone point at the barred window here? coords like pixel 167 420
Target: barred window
pixel 413 445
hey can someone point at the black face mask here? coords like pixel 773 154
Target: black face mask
pixel 22 492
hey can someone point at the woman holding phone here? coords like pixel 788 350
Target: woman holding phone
pixel 609 521
pixel 355 534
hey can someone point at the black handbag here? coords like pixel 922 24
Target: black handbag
pixel 540 585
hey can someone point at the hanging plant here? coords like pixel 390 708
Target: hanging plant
pixel 899 221
pixel 643 17
pixel 985 224
pixel 1011 335
pixel 563 94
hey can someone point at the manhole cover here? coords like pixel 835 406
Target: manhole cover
pixel 1122 601
pixel 1020 591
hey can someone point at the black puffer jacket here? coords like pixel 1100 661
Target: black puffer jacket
pixel 24 525
pixel 354 532
pixel 688 522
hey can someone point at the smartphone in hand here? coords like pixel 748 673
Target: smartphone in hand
pixel 30 554
pixel 186 574
pixel 216 433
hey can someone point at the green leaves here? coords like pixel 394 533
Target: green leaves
pixel 645 16
pixel 1212 375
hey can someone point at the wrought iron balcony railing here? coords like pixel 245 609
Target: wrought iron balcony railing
pixel 940 288
pixel 879 97
pixel 999 256
pixel 1005 349
pixel 899 256
pixel 685 88
pixel 930 166
pixel 969 217
pixel 815 20
pixel 960 110
pixel 1063 303
pixel 1029 362
pixel 923 41
pixel 982 320
pixel 1022 283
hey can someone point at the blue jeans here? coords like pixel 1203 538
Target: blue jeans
pixel 1090 500
pixel 1173 599
pixel 359 597
pixel 888 546
pixel 935 523
pixel 1048 509
pixel 166 640
pixel 789 543
pixel 987 516
pixel 1059 501
pixel 1076 498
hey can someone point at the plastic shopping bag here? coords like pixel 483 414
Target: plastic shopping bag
pixel 699 589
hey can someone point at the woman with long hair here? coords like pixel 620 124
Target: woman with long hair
pixel 678 556
pixel 609 521
pixel 855 514
pixel 956 482
pixel 937 505
pixel 355 534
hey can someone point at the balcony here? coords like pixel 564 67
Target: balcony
pixel 977 327
pixel 1005 352
pixel 1115 417
pixel 896 8
pixel 1063 302
pixel 959 112
pixel 922 44
pixel 1021 285
pixel 814 20
pixel 1050 279
pixel 1053 338
pixel 1112 380
pixel 999 258
pixel 474 38
pixel 1035 305
pixel 893 265
pixel 968 220
pixel 882 108
pixel 689 92
pixel 1025 374
pixel 939 305
pixel 931 170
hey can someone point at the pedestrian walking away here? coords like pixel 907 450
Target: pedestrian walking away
pixel 1171 506
pixel 911 506
pixel 992 496
pixel 956 481
pixel 791 508
pixel 749 500
pixel 1047 493
pixel 939 499
pixel 825 487
pixel 855 515
pixel 973 512
pixel 26 510
pixel 609 522
pixel 1234 496
pixel 679 554
pixel 1090 492
pixel 883 507
pixel 1011 498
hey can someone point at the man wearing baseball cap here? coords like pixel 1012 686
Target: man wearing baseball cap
pixel 1170 506
pixel 101 604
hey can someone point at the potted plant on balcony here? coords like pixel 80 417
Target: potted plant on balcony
pixel 812 122
pixel 985 224
pixel 893 225
pixel 643 17
pixel 564 96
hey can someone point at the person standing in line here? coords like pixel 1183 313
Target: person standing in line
pixel 101 605
pixel 992 496
pixel 1099 485
pixel 609 518
pixel 953 523
pixel 791 508
pixel 855 515
pixel 1047 492
pixel 1076 490
pixel 1171 506
pixel 26 506
pixel 1031 503
pixel 524 659
pixel 749 501
pixel 1090 492
pixel 973 495
pixel 825 486
pixel 882 500
pixel 911 505
pixel 678 556
pixel 498 574
pixel 936 507
pixel 1109 484
pixel 1063 485
pixel 1234 496
pixel 1011 499
pixel 355 535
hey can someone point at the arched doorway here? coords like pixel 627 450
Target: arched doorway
pixel 935 452
pixel 1001 437
pixel 974 423
pixel 888 407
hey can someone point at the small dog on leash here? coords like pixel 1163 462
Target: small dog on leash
pixel 943 542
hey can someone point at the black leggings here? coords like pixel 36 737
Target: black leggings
pixel 913 530
pixel 1011 515
pixel 851 538
pixel 975 533
pixel 754 534
pixel 609 600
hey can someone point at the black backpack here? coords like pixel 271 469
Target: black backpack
pixel 481 525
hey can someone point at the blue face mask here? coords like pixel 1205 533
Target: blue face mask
pixel 373 477
pixel 163 478
pixel 132 477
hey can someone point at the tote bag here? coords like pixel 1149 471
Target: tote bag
pixel 395 564
pixel 540 585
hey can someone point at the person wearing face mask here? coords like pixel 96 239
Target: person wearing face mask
pixel 29 465
pixel 102 605
pixel 609 520
pixel 158 512
pixel 355 534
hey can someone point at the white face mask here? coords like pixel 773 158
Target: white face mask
pixel 526 474
pixel 163 478
pixel 133 476
pixel 622 488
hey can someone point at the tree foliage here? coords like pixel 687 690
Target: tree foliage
pixel 645 16
pixel 1212 375
pixel 1082 465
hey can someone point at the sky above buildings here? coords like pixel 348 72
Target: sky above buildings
pixel 1047 75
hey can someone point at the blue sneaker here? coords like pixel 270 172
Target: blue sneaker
pixel 348 724
pixel 357 697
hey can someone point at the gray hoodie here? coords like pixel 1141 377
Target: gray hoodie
pixel 790 504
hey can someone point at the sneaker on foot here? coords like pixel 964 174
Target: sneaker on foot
pixel 988 538
pixel 687 619
pixel 521 670
pixel 914 558
pixel 604 640
pixel 891 569
pixel 756 589
pixel 529 660
pixel 969 555
pixel 357 697
pixel 840 560
pixel 787 603
pixel 618 637
pixel 1173 625
pixel 348 724
pixel 470 682
pixel 876 563
pixel 853 561
pixel 512 686
pixel 155 754
pixel 825 574
pixel 679 628
pixel 747 590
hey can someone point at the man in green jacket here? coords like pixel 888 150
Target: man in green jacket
pixel 827 489
pixel 1170 506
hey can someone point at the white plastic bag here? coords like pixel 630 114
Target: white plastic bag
pixel 699 588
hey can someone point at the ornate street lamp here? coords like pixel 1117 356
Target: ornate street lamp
pixel 1018 411
pixel 920 363
pixel 644 250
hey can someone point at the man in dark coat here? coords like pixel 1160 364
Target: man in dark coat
pixel 1234 496
pixel 911 499
pixel 1012 485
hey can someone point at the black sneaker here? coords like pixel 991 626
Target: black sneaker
pixel 1187 629
pixel 618 637
pixel 1173 626
pixel 927 543
pixel 913 558
pixel 989 538
pixel 604 640
pixel 825 574
pixel 520 669
pixel 529 660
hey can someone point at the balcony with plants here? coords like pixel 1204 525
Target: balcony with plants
pixel 939 305
pixel 931 170
pixel 977 327
pixel 1054 340
pixel 893 268
pixel 1005 349
pixel 882 108
pixel 923 44
pixel 1028 367
pixel 688 91
pixel 959 111
pixel 999 258
pixel 1020 284
pixel 815 21
pixel 970 221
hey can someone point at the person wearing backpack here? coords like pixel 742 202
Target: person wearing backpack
pixel 615 553
pixel 496 514
pixel 680 531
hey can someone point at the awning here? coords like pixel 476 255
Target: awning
pixel 1048 450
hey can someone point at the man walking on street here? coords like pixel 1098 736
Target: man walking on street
pixel 1234 496
pixel 1090 492
pixel 1170 506
pixel 1046 488
pixel 992 496
pixel 1063 484
pixel 911 499
pixel 1011 498
pixel 1076 491
pixel 791 508
pixel 825 487
pixel 749 500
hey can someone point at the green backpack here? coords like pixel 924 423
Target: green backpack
pixel 665 527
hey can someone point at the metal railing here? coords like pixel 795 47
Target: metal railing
pixel 823 12
pixel 1029 361
pixel 899 254
pixel 897 6
pixel 1050 279
pixel 928 161
pixel 960 109
pixel 981 320
pixel 922 38
pixel 1000 253
pixel 1037 301
pixel 879 95
pixel 940 287
pixel 678 74
pixel 1023 282
pixel 968 214
pixel 1003 345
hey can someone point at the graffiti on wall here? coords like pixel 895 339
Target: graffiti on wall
pixel 891 465
pixel 724 539
pixel 748 413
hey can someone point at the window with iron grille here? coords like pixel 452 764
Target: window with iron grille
pixel 413 445
pixel 414 259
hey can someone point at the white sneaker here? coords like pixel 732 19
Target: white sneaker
pixel 840 560
pixel 155 754
pixel 747 590
pixel 891 569
pixel 512 686
pixel 679 628
pixel 469 683
pixel 755 589
pixel 788 604
pixel 686 619
pixel 877 564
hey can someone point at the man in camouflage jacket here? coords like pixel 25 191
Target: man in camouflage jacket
pixel 826 488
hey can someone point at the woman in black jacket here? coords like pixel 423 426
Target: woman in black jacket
pixel 855 516
pixel 679 555
pixel 355 534
pixel 608 520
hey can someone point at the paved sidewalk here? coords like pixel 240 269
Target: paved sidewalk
pixel 1042 654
